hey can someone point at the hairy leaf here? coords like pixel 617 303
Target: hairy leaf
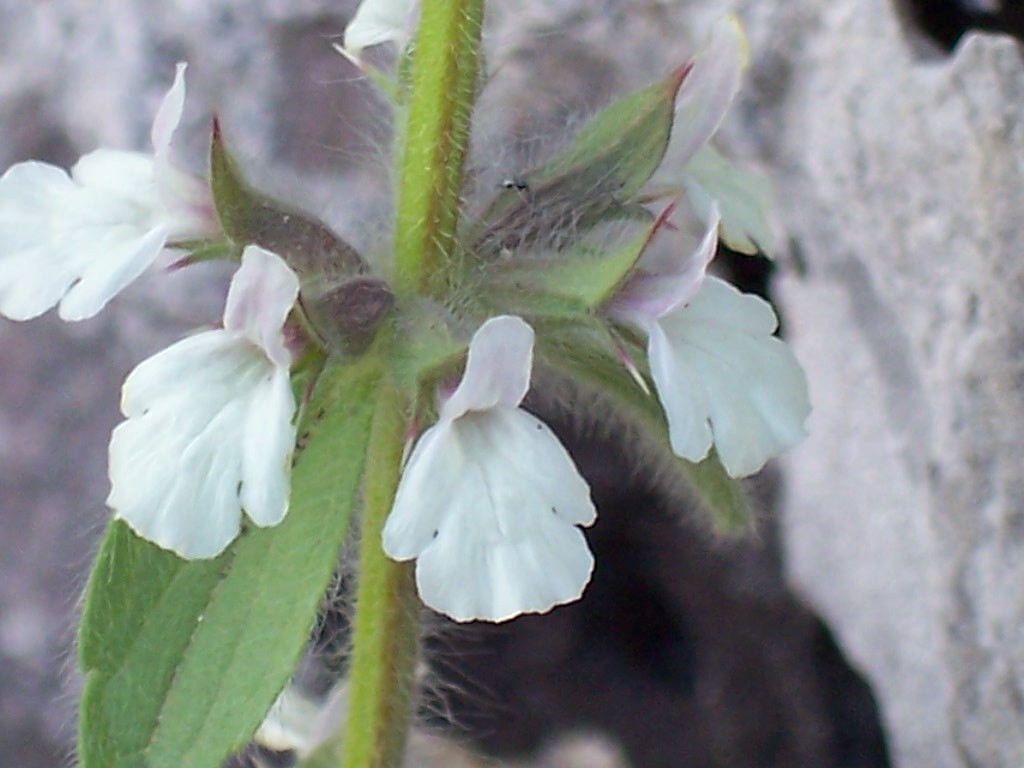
pixel 184 658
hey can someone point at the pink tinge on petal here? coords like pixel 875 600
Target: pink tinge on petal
pixel 187 202
pixel 498 368
pixel 260 298
pixel 186 198
pixel 169 114
pixel 709 89
pixel 655 290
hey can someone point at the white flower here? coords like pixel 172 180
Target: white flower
pixel 209 429
pixel 720 374
pixel 708 90
pixel 662 281
pixel 743 198
pixel 80 239
pixel 490 501
pixel 376 22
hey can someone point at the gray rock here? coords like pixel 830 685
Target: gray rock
pixel 899 180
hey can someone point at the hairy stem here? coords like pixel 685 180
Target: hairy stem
pixel 444 76
pixel 445 73
pixel 386 626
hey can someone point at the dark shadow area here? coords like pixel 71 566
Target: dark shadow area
pixel 687 650
pixel 944 22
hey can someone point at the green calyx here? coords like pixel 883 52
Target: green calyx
pixel 594 180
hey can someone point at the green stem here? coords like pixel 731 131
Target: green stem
pixel 386 626
pixel 444 77
pixel 445 73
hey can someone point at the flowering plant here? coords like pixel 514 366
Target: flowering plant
pixel 390 385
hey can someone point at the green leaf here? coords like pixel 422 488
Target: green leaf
pixel 184 658
pixel 594 180
pixel 250 217
pixel 585 357
pixel 721 495
pixel 141 608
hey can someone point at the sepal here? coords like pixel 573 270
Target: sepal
pixel 594 180
pixel 250 217
pixel 577 280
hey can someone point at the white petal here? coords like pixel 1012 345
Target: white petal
pixel 185 200
pixel 289 723
pixel 185 367
pixel 715 361
pixel 432 474
pixel 498 368
pixel 85 237
pixel 118 256
pixel 490 503
pixel 168 115
pixel 261 295
pixel 658 287
pixel 267 456
pixel 123 177
pixel 35 270
pixel 55 233
pixel 174 479
pixel 469 582
pixel 683 396
pixel 376 22
pixel 708 89
pixel 743 197
pixel 177 465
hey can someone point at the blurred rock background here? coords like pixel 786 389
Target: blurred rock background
pixel 889 562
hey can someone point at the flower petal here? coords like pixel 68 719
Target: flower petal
pixel 467 582
pixel 35 270
pixel 682 395
pixel 168 115
pixel 185 199
pixel 176 463
pixel 709 88
pixel 744 198
pixel 57 238
pixel 81 239
pixel 715 362
pixel 376 22
pixel 123 178
pixel 498 368
pixel 120 255
pixel 659 286
pixel 209 427
pixel 269 438
pixel 259 300
pixel 490 503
